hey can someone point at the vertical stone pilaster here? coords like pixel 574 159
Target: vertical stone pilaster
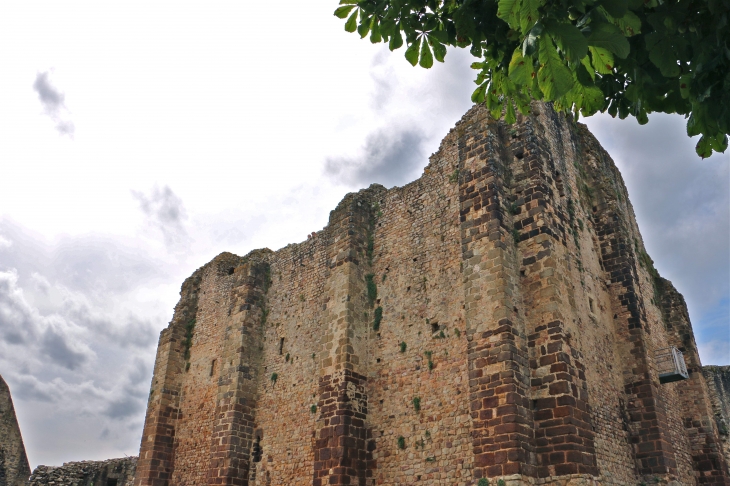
pixel 341 455
pixel 502 435
pixel 156 455
pixel 708 461
pixel 235 408
pixel 646 405
pixel 564 436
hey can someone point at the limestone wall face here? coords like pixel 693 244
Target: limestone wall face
pixel 497 318
pixel 14 468
pixel 112 472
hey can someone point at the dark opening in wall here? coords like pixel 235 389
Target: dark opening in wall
pixel 257 449
pixel 231 270
pixel 434 327
pixel 281 346
pixel 111 482
pixel 590 304
pixel 212 367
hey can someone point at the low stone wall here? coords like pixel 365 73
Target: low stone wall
pixel 112 472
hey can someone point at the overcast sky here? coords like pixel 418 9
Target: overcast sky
pixel 138 140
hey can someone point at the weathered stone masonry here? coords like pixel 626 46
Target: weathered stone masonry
pixel 497 318
pixel 14 468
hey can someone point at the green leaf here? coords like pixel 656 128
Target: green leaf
pixel 351 24
pixel 521 70
pixel 704 147
pixel 629 24
pixel 412 52
pixel 684 82
pixel 529 13
pixel 342 12
pixel 662 55
pixel 616 8
pixel 478 95
pixel 375 36
pixel 529 46
pixel 426 56
pixel 586 62
pixel 719 142
pixel 569 39
pixel 439 51
pixel 554 78
pixel 593 100
pixel 396 40
pixel 349 2
pixel 509 11
pixel 364 27
pixel 509 115
pixel 602 60
pixel 609 37
pixel 694 126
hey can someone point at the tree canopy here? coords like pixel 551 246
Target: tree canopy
pixel 624 57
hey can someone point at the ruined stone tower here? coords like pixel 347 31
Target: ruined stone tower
pixel 14 468
pixel 496 319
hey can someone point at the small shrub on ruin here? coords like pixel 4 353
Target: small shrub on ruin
pixel 188 340
pixel 442 335
pixel 187 366
pixel 417 403
pixel 274 377
pixel 457 332
pixel 501 482
pixel 454 177
pixel 401 442
pixel 430 365
pixel 483 482
pixel 430 459
pixel 372 288
pixel 286 358
pixel 302 298
pixel 378 318
pixel 403 346
pixel 313 409
pixel 515 235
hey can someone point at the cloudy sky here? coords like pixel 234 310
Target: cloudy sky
pixel 139 140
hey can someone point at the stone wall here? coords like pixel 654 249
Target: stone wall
pixel 14 468
pixel 112 472
pixel 496 318
pixel 718 381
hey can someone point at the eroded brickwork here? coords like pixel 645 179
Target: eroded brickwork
pixel 718 383
pixel 496 319
pixel 14 467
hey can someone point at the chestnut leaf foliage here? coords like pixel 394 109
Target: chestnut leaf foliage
pixel 624 57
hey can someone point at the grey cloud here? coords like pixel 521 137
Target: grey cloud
pixel 58 347
pixel 390 157
pixel 124 407
pixel 682 202
pixel 53 102
pixel 90 264
pixel 165 210
pixel 134 332
pixel 17 324
pixel 28 388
